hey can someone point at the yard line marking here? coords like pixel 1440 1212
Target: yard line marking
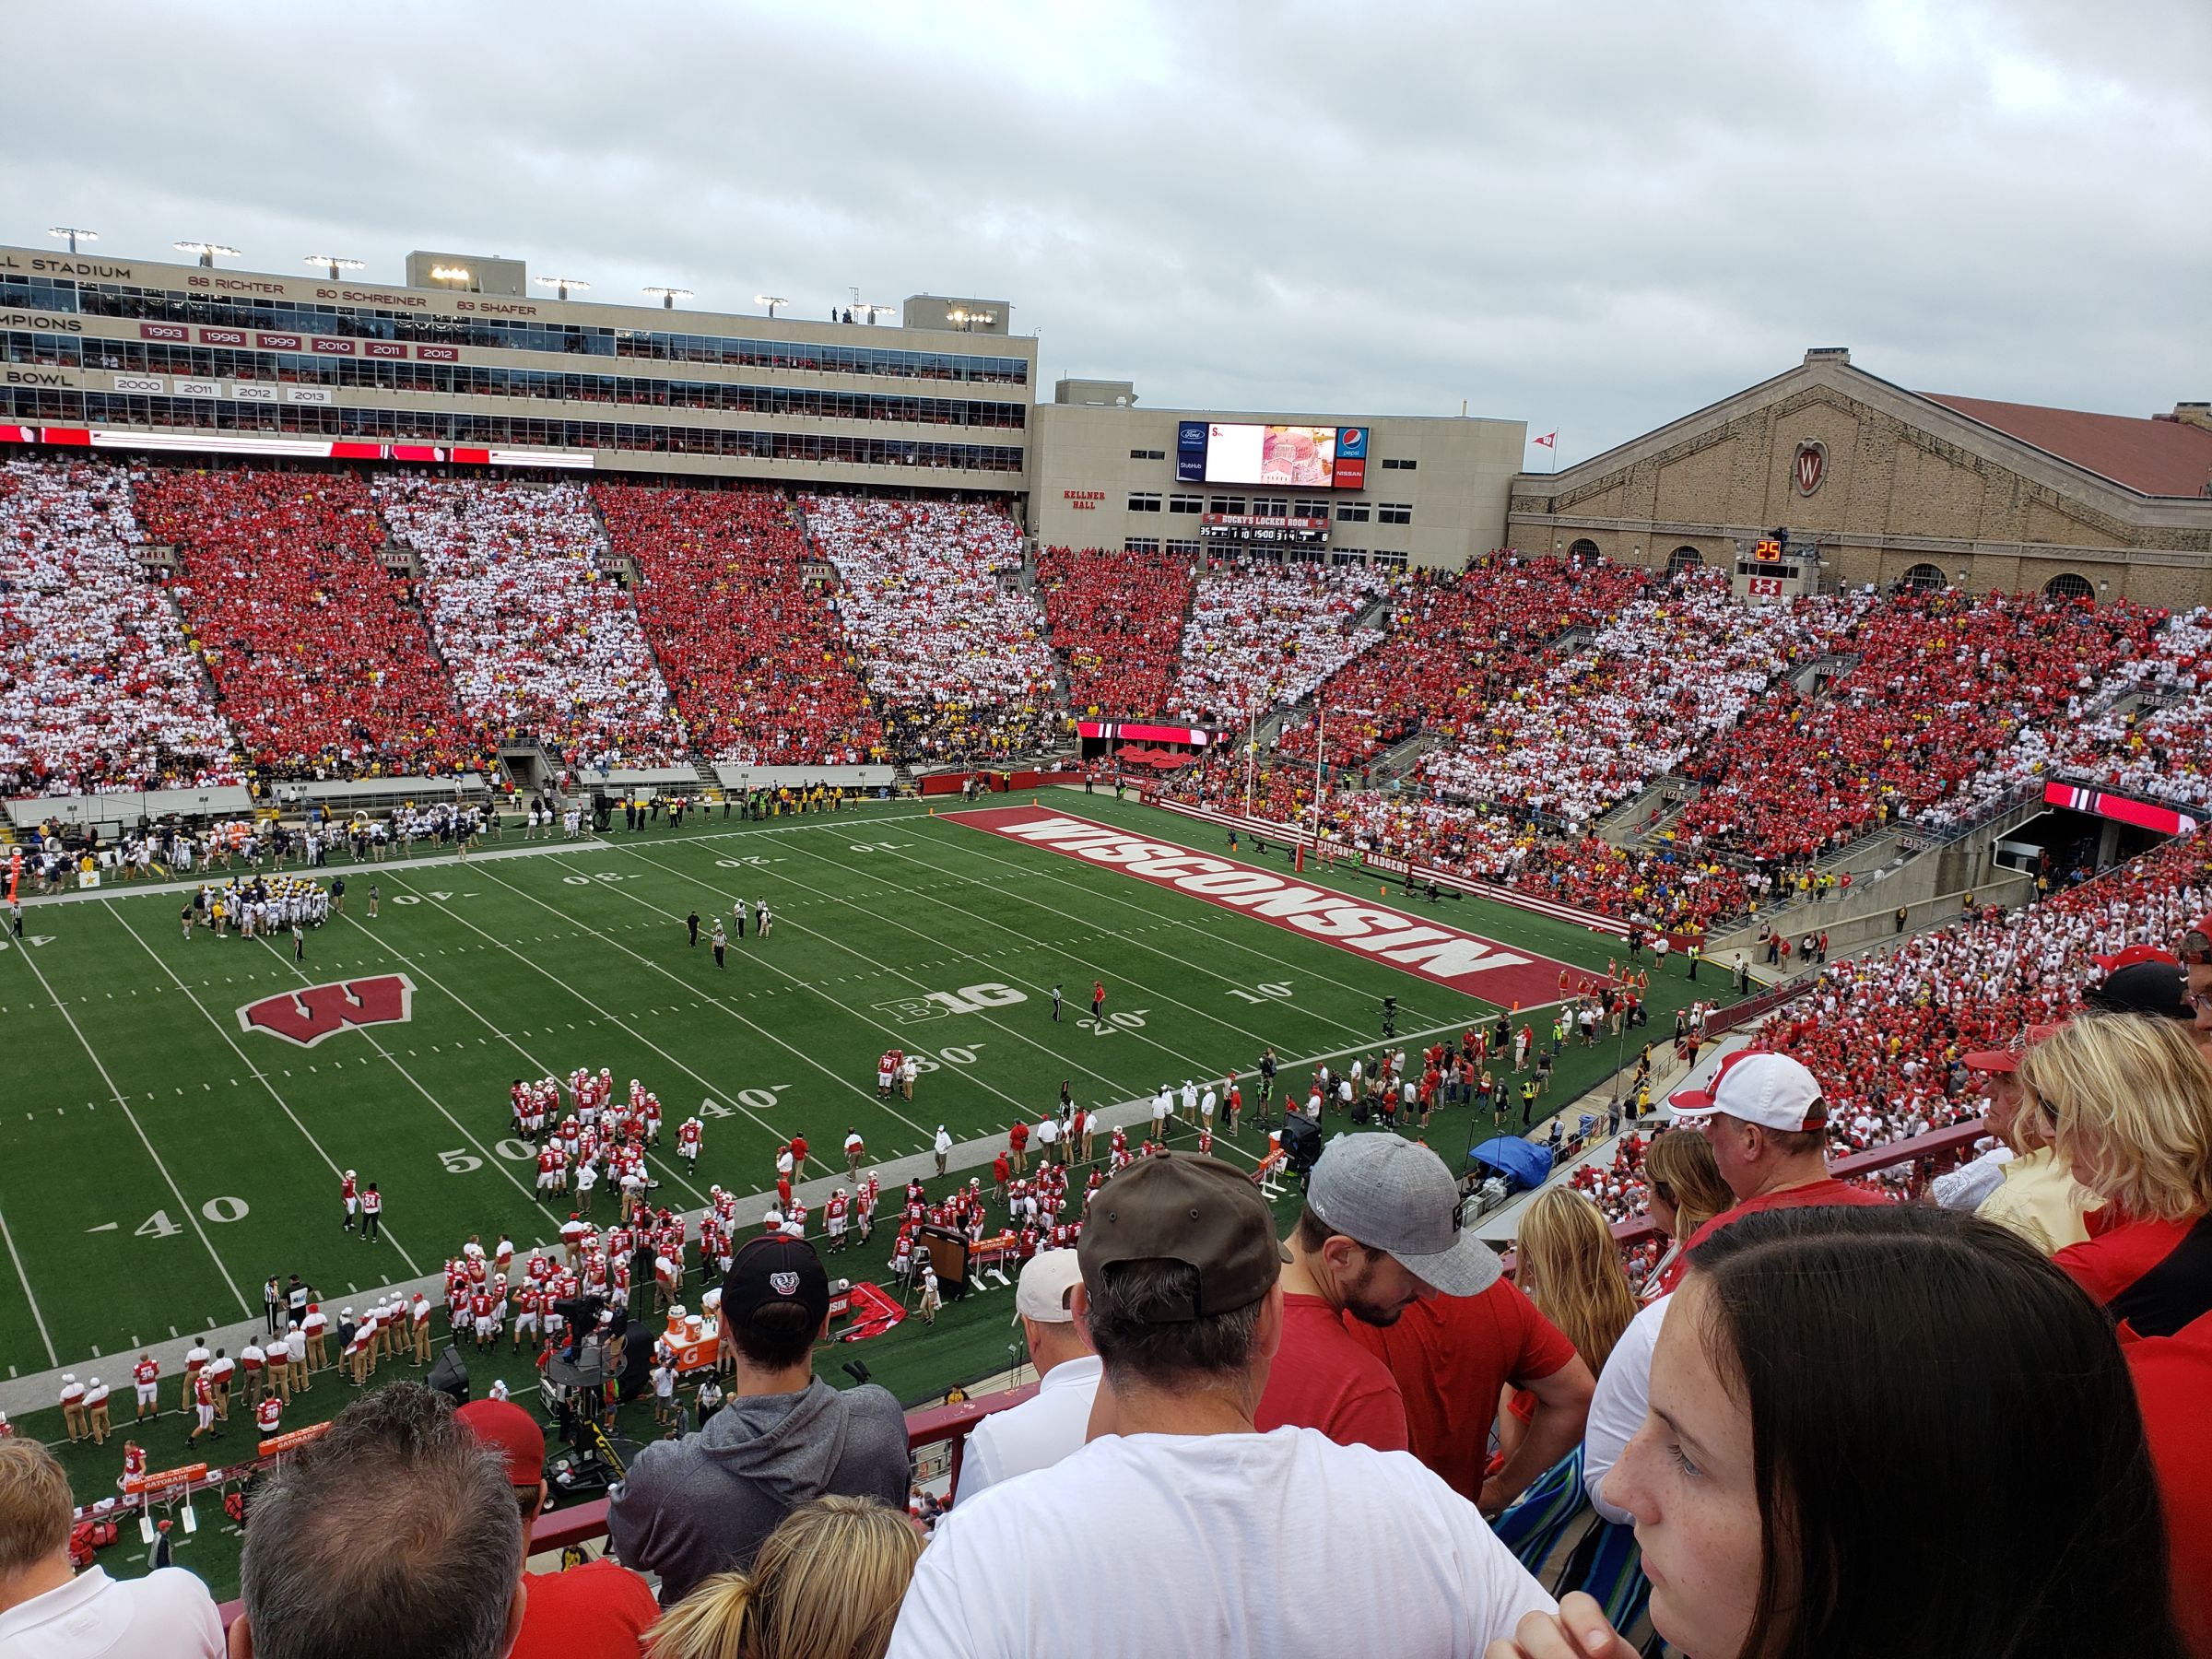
pixel 52 1358
pixel 842 1081
pixel 223 1031
pixel 191 1214
pixel 1130 900
pixel 1012 1031
pixel 416 1084
pixel 536 1063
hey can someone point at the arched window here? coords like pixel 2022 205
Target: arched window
pixel 1584 549
pixel 1925 578
pixel 2068 585
pixel 1683 559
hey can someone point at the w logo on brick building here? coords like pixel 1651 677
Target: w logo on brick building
pixel 1810 465
pixel 308 1016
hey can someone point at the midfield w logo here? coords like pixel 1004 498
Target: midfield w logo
pixel 308 1016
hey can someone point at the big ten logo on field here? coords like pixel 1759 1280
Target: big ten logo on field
pixel 935 1004
pixel 308 1016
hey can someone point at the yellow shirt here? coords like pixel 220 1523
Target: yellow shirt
pixel 2041 1201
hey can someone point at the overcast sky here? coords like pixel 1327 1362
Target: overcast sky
pixel 1592 216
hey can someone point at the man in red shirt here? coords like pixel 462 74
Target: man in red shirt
pixel 1452 1356
pixel 1380 1231
pixel 1768 1125
pixel 596 1611
pixel 1018 1146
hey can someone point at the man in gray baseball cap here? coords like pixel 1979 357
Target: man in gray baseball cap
pixel 1178 1294
pixel 1381 1230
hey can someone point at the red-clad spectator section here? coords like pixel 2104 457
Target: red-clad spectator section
pixel 760 668
pixel 320 659
pixel 1261 635
pixel 1942 683
pixel 951 644
pixel 1670 888
pixel 2148 734
pixel 539 641
pixel 97 690
pixel 1455 644
pixel 1117 620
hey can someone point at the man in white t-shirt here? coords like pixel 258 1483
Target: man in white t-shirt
pixel 45 1609
pixel 1180 1297
pixel 1051 1424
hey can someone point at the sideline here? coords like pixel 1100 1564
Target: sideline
pixel 370 871
pixel 41 1391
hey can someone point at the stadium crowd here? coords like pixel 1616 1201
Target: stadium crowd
pixel 1262 635
pixel 1657 683
pixel 1942 684
pixel 320 656
pixel 2159 747
pixel 1117 618
pixel 97 690
pixel 952 646
pixel 1454 643
pixel 540 642
pixel 761 670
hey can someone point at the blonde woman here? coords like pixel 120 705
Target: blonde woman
pixel 1570 1269
pixel 2127 1101
pixel 825 1584
pixel 1683 1183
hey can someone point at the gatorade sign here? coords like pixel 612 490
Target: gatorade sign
pixel 1420 945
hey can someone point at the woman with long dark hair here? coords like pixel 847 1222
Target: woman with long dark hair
pixel 1889 1432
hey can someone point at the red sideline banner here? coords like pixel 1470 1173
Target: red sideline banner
pixel 1593 920
pixel 1422 945
pixel 937 784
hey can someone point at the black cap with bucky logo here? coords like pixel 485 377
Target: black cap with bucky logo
pixel 775 1269
pixel 1186 1208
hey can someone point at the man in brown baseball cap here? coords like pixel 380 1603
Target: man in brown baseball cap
pixel 1181 1298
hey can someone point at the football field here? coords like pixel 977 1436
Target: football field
pixel 177 1117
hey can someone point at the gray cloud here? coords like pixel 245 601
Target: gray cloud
pixel 1593 218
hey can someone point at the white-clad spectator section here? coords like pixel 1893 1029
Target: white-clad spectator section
pixel 1261 635
pixel 1654 685
pixel 102 692
pixel 540 642
pixel 951 644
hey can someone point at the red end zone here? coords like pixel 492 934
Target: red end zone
pixel 1420 944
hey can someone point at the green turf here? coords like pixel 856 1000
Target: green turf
pixel 216 1166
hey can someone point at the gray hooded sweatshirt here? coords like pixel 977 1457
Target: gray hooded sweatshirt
pixel 700 1505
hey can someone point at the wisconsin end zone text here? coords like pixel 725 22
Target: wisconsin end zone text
pixel 1431 949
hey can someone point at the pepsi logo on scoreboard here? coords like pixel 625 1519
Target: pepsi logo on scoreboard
pixel 1351 458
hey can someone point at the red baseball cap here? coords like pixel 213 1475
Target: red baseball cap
pixel 2009 1059
pixel 510 1431
pixel 2197 944
pixel 2133 954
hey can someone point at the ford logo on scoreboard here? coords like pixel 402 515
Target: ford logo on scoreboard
pixel 1190 451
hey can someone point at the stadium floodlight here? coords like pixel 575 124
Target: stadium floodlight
pixel 445 273
pixel 73 234
pixel 669 296
pixel 337 263
pixel 561 284
pixel 206 251
pixel 874 311
pixel 967 321
pixel 770 300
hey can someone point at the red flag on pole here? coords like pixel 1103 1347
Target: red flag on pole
pixel 1546 439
